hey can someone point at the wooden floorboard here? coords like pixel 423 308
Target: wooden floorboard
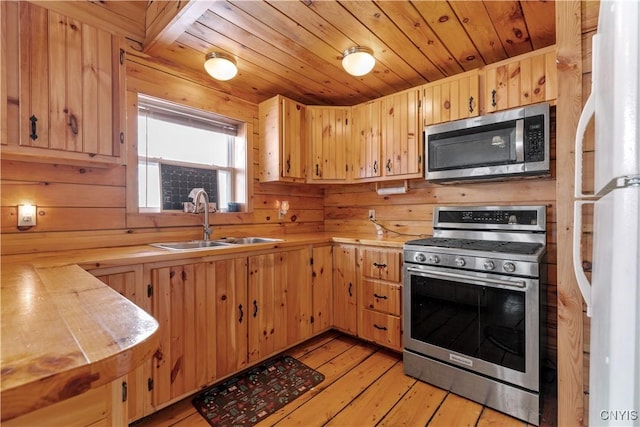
pixel 364 385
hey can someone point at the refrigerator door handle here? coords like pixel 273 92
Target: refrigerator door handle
pixel 585 118
pixel 583 282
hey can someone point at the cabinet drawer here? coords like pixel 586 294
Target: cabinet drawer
pixel 381 264
pixel 381 328
pixel 384 297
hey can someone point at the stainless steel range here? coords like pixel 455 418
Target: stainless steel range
pixel 472 305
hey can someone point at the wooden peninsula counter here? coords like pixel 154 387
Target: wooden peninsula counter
pixel 67 341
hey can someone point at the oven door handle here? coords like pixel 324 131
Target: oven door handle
pixel 446 274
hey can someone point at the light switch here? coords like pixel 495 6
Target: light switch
pixel 26 215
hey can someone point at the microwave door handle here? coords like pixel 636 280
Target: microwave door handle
pixel 449 275
pixel 520 141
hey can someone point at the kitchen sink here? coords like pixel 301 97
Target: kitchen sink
pixel 248 240
pixel 190 245
pixel 208 244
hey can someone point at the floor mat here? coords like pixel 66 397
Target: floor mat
pixel 253 395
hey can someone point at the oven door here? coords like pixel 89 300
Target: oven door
pixel 485 323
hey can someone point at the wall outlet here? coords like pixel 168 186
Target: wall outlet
pixel 372 215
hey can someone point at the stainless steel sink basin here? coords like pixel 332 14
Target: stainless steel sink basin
pixel 190 245
pixel 248 240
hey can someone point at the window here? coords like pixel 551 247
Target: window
pixel 194 140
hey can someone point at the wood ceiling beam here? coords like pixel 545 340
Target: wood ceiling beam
pixel 168 20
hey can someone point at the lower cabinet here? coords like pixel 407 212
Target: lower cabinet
pixel 280 301
pixel 345 281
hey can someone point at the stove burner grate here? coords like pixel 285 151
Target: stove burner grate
pixel 520 248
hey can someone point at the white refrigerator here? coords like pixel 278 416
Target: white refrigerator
pixel 613 296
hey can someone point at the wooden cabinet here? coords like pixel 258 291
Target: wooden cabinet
pixel 380 296
pixel 202 311
pixel 69 93
pixel 452 98
pixel 401 147
pixel 345 310
pixel 366 140
pixel 128 281
pixel 282 140
pixel 280 301
pixel 321 283
pixel 329 136
pixel 522 80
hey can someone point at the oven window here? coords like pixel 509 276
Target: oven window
pixel 482 322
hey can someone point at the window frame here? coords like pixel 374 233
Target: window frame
pixel 242 176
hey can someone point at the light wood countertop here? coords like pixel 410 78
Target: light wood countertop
pixel 65 332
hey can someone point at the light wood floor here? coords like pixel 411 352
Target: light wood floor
pixel 364 386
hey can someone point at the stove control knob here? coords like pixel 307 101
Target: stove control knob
pixel 509 267
pixel 421 257
pixel 434 259
pixel 489 265
pixel 460 261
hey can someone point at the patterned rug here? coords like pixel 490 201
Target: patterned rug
pixel 255 394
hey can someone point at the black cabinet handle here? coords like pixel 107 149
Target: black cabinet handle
pixel 34 128
pixel 255 308
pixel 375 166
pixel 73 124
pixel 388 165
pixel 288 165
pixel 382 328
pixel 317 169
pixel 350 286
pixel 241 313
pixel 125 392
pixel 375 264
pixel 493 98
pixel 380 296
pixel 471 104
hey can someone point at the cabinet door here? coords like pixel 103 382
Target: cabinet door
pixel 402 152
pixel 128 282
pixel 523 80
pixel 329 136
pixel 321 282
pixel 280 301
pixel 453 98
pixel 229 280
pixel 71 85
pixel 366 139
pixel 282 140
pixel 184 305
pixel 344 289
pixel 383 264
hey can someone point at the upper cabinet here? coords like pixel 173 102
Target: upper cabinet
pixel 453 98
pixel 329 134
pixel 366 153
pixel 526 79
pixel 401 147
pixel 67 95
pixel 282 140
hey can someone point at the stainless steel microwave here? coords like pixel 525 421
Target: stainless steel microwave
pixel 502 144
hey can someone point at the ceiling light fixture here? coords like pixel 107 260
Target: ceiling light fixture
pixel 358 60
pixel 220 66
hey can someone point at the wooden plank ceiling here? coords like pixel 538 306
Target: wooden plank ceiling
pixel 294 48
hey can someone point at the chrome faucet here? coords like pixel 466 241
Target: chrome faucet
pixel 203 194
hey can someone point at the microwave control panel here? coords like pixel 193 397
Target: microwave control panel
pixel 534 139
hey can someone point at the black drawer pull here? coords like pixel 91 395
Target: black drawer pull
pixel 380 296
pixel 375 264
pixel 382 328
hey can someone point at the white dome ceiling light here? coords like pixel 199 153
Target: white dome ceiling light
pixel 220 66
pixel 358 60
